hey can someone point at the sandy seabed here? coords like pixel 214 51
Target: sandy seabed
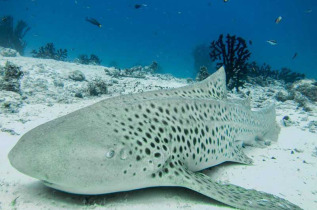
pixel 287 168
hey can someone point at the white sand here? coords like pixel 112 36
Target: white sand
pixel 275 169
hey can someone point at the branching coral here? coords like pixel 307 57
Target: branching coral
pixel 201 57
pixel 11 37
pixel 233 54
pixel 49 52
pixel 93 60
pixel 265 71
pixel 288 76
pixel 202 74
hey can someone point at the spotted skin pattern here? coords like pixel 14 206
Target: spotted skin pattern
pixel 158 138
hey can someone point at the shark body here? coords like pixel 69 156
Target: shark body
pixel 157 138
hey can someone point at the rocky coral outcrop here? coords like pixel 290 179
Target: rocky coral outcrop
pixel 8 52
pixel 307 88
pixel 10 76
pixel 77 75
pixel 135 72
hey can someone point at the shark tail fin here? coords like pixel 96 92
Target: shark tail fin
pixel 232 195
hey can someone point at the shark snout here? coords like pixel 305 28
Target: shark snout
pixel 34 160
pixel 26 161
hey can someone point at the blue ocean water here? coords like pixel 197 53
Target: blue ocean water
pixel 168 31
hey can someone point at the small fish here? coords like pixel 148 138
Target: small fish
pixel 138 6
pixel 5 18
pixel 93 21
pixel 308 11
pixel 225 1
pixel 294 56
pixel 272 42
pixel 250 42
pixel 278 20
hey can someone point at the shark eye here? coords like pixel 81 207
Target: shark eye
pixel 110 153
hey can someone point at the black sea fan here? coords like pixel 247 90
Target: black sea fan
pixel 233 55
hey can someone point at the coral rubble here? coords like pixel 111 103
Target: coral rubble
pixel 136 71
pixel 49 52
pixel 233 54
pixel 12 37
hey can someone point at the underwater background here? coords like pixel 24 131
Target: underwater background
pixel 168 31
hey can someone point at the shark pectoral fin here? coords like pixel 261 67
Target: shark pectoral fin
pixel 231 195
pixel 238 155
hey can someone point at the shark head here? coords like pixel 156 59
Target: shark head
pixel 71 159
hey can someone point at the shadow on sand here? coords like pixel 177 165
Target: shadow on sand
pixel 155 196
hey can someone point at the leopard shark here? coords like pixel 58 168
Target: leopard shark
pixel 151 139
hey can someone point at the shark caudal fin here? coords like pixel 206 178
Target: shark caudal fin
pixel 175 173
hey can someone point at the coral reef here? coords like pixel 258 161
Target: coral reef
pixel 202 73
pixel 10 76
pixel 49 52
pixel 233 55
pixel 263 73
pixel 12 37
pixel 201 58
pixel 92 60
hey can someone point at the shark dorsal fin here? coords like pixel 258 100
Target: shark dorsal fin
pixel 212 87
